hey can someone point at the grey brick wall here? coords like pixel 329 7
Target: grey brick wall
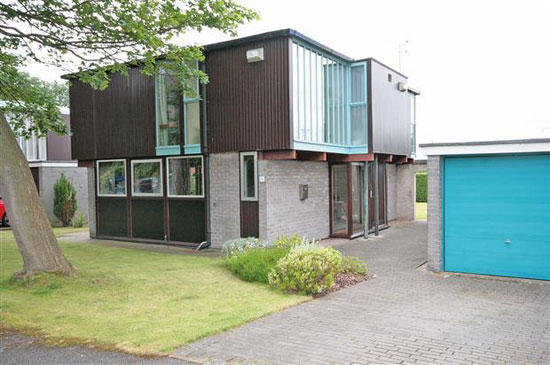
pixel 224 197
pixel 282 211
pixel 391 172
pixel 434 213
pixel 402 190
pixel 91 202
pixel 49 176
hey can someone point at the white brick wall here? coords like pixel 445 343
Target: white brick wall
pixel 224 197
pixel 434 213
pixel 282 211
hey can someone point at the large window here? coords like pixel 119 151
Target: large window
pixel 185 177
pixel 413 124
pixel 147 177
pixel 249 178
pixel 168 102
pixel 329 98
pixel 192 113
pixel 111 178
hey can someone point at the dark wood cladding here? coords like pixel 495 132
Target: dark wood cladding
pixel 248 103
pixel 250 224
pixel 116 122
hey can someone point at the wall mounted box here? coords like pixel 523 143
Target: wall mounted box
pixel 304 188
pixel 255 55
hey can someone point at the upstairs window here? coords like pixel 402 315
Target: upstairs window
pixel 358 104
pixel 168 102
pixel 192 113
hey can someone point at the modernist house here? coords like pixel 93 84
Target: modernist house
pixel 48 158
pixel 489 207
pixel 287 136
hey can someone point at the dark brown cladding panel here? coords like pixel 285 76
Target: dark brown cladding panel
pixel 249 103
pixel 116 122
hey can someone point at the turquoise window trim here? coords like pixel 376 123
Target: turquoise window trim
pixel 192 149
pixel 329 147
pixel 168 150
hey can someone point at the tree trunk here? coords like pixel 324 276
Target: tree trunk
pixel 31 227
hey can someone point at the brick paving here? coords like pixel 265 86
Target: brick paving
pixel 405 315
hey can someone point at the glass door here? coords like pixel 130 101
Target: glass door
pixel 340 200
pixel 357 199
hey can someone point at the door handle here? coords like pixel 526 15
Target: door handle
pixel 507 242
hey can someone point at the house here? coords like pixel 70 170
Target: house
pixel 489 207
pixel 48 158
pixel 287 136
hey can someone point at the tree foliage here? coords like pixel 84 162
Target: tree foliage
pixel 93 39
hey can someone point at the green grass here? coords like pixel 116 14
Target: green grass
pixel 421 211
pixel 136 301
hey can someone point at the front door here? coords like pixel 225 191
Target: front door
pixel 347 200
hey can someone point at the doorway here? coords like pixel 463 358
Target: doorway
pixel 347 194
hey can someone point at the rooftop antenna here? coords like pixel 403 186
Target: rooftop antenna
pixel 403 51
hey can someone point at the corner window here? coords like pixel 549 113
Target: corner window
pixel 168 103
pixel 192 112
pixel 249 179
pixel 147 177
pixel 185 177
pixel 111 178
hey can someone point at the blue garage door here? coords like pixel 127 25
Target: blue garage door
pixel 497 215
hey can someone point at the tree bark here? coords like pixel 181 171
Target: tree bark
pixel 31 227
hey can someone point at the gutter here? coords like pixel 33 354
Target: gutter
pixel 206 161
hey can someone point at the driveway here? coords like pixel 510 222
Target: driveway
pixel 405 315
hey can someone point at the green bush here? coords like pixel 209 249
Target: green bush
pixel 79 221
pixel 307 271
pixel 353 265
pixel 421 188
pixel 64 200
pixel 288 242
pixel 255 264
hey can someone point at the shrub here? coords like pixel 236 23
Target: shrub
pixel 64 200
pixel 421 188
pixel 288 242
pixel 241 245
pixel 353 265
pixel 255 264
pixel 79 221
pixel 307 271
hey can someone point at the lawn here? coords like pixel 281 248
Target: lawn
pixel 421 211
pixel 131 300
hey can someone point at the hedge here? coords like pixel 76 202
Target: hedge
pixel 421 188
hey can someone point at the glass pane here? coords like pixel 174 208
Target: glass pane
pixel 358 84
pixel 249 176
pixel 168 110
pixel 192 120
pixel 339 199
pixel 146 178
pixel 359 125
pixel 112 178
pixel 357 198
pixel 185 176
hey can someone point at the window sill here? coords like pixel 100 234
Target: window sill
pixel 168 150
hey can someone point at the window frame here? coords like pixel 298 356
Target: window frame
pixel 155 195
pixel 99 194
pixel 243 178
pixel 168 177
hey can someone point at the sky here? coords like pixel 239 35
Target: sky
pixel 481 66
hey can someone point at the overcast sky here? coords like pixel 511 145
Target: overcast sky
pixel 482 66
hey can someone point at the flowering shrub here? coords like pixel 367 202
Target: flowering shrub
pixel 306 270
pixel 288 242
pixel 241 245
pixel 353 265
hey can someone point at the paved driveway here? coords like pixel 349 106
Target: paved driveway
pixel 405 315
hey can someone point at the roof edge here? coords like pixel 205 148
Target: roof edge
pixel 487 143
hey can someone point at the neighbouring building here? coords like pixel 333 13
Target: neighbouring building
pixel 289 136
pixel 489 207
pixel 48 158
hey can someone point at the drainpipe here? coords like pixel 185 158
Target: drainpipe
pixel 206 159
pixel 376 205
pixel 366 200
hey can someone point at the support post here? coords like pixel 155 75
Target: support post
pixel 376 197
pixel 366 200
pixel 206 162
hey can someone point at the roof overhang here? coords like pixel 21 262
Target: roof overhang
pixel 487 147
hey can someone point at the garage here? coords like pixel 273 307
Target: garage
pixel 489 208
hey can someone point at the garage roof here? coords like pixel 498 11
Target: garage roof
pixel 487 147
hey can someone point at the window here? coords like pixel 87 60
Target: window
pixel 249 181
pixel 168 110
pixel 147 178
pixel 185 177
pixel 192 113
pixel 413 124
pixel 358 104
pixel 111 178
